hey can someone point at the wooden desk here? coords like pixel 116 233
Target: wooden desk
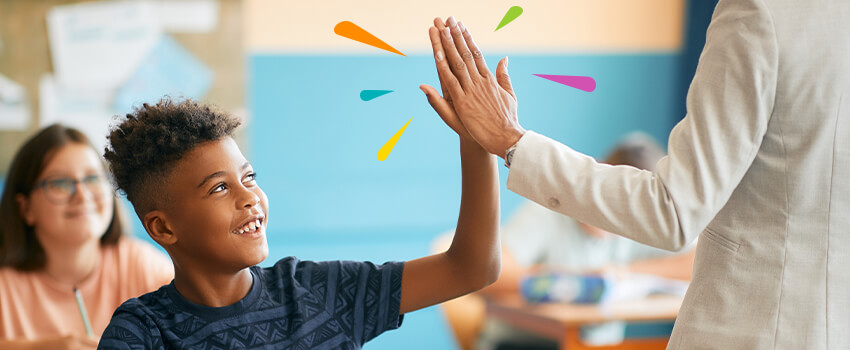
pixel 562 321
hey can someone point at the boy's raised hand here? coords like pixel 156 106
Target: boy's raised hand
pixel 473 259
pixel 442 104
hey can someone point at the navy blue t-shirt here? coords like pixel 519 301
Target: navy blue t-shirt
pixel 291 305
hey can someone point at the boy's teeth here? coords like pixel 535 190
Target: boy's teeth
pixel 251 226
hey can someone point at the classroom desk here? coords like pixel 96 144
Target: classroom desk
pixel 562 321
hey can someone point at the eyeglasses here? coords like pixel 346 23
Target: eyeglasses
pixel 61 190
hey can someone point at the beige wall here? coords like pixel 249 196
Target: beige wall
pixel 546 26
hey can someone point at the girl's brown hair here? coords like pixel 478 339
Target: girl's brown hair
pixel 19 247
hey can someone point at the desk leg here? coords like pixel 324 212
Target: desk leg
pixel 572 341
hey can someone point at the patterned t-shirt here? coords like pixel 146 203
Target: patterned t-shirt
pixel 291 305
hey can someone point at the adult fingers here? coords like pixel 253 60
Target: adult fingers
pixel 463 50
pixel 503 78
pixel 455 61
pixel 476 53
pixel 451 85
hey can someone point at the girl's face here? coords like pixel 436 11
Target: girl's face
pixel 72 202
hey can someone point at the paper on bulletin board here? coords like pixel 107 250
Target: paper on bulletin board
pixel 85 109
pixel 14 105
pixel 99 44
pixel 170 70
pixel 187 16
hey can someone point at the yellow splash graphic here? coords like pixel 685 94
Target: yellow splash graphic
pixel 385 150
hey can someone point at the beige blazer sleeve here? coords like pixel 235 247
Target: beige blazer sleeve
pixel 729 104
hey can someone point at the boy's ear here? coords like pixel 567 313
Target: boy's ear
pixel 156 223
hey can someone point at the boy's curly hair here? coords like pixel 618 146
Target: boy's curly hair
pixel 144 147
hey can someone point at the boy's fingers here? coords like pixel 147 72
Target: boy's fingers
pixel 450 84
pixel 464 52
pixel 438 23
pixel 442 107
pixel 438 103
pixel 503 78
pixel 476 53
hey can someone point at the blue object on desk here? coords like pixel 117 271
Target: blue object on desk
pixel 565 288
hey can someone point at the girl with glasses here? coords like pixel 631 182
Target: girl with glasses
pixel 63 235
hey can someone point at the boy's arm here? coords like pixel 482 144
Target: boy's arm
pixel 472 261
pixel 510 277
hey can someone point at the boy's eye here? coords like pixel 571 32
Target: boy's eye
pixel 218 188
pixel 250 178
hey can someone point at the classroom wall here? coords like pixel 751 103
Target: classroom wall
pixel 314 142
pixel 25 58
pixel 546 26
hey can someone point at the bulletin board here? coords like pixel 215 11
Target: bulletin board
pixel 25 58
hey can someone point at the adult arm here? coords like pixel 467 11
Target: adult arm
pixel 729 105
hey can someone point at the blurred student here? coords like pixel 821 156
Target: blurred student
pixel 198 197
pixel 536 239
pixel 61 229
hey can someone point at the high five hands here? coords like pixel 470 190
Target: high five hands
pixel 475 104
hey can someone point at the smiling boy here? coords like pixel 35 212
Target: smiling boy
pixel 198 197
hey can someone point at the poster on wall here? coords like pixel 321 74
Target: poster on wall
pixel 100 44
pixel 85 109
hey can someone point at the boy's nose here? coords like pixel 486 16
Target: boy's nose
pixel 250 199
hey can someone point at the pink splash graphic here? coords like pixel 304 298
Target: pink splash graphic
pixel 578 82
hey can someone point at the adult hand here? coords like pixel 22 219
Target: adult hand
pixel 485 105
